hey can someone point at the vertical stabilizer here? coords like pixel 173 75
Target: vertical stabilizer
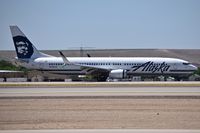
pixel 24 48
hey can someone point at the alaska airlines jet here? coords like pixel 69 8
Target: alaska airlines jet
pixel 103 67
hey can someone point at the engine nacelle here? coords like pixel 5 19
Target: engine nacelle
pixel 118 74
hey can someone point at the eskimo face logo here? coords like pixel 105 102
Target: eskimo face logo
pixel 23 47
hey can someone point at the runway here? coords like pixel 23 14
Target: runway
pixel 101 91
pixel 103 131
pixel 133 107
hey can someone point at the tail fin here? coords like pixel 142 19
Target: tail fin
pixel 24 48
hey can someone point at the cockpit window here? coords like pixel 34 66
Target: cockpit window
pixel 186 63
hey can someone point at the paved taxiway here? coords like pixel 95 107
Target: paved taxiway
pixel 101 91
pixel 102 131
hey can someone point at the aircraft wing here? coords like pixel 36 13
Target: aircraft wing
pixel 93 70
pixel 87 69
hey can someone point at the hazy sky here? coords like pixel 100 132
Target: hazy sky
pixel 69 24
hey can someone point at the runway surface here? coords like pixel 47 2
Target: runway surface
pixel 101 91
pixel 134 107
pixel 103 131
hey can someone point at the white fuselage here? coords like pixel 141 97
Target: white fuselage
pixel 134 66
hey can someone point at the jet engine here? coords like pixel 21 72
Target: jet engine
pixel 118 74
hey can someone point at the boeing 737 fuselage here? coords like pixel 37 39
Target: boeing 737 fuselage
pixel 112 67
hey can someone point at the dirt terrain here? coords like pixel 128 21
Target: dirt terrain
pixel 60 113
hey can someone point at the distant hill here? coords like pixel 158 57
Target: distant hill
pixel 191 55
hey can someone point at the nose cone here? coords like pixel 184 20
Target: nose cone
pixel 193 67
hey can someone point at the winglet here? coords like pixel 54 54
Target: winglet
pixel 88 55
pixel 65 60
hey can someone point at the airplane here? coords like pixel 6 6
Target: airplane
pixel 102 67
